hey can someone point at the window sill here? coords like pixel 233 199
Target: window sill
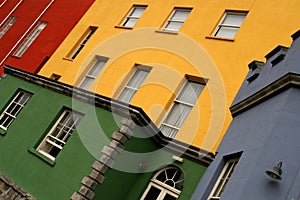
pixel 17 57
pixel 167 32
pixel 124 27
pixel 220 38
pixel 68 59
pixel 2 132
pixel 42 157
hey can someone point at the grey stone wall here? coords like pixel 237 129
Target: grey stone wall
pixel 10 191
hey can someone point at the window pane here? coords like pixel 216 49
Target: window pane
pixel 30 38
pixel 130 22
pixel 12 110
pixel 175 26
pixel 226 32
pixel 180 15
pixel 152 194
pixel 52 150
pixel 224 177
pixel 169 197
pixel 138 78
pixel 6 120
pixel 133 16
pixel 4 28
pixel 93 72
pixel 15 109
pixel 59 134
pixel 24 98
pixel 83 42
pixel 177 115
pixel 177 19
pixel 86 83
pixel 181 108
pixel 230 25
pixel 126 95
pixel 168 131
pixel 234 19
pixel 190 92
pixel 137 12
pixel 133 85
pixel 218 190
pixel 228 170
pixel 162 176
pixel 96 68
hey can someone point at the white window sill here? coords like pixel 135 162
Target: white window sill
pixel 220 38
pixel 166 31
pixel 42 157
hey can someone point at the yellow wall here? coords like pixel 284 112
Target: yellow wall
pixel 171 56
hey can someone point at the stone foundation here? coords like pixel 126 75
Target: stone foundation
pixel 10 191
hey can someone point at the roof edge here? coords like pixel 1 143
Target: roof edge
pixel 135 113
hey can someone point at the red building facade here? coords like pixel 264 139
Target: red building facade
pixel 31 30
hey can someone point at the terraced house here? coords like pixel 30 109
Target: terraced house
pixel 124 99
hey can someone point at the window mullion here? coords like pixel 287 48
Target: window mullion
pixel 7 113
pixel 183 103
pixel 57 139
pixel 171 126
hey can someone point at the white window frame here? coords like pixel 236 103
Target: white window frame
pixel 163 187
pixel 223 179
pixel 179 102
pixel 10 111
pixel 30 38
pixel 82 42
pixel 171 20
pixel 95 68
pixel 138 68
pixel 55 141
pixel 6 26
pixel 230 26
pixel 131 15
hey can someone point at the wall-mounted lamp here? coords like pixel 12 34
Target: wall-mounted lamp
pixel 276 172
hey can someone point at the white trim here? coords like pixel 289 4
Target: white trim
pixel 162 194
pixel 13 103
pixel 137 68
pixel 69 114
pixel 170 20
pixel 129 15
pixel 7 25
pixel 163 187
pixel 224 183
pixel 87 75
pixel 21 38
pixel 178 102
pixel 31 37
pixel 3 3
pixel 9 14
pixel 81 43
pixel 221 24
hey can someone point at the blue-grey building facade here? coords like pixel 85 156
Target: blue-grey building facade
pixel 265 132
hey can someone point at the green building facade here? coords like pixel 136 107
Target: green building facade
pixel 61 142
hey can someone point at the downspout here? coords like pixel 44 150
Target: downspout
pixel 13 48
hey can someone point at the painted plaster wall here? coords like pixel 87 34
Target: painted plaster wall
pixel 130 186
pixel 30 172
pixel 61 19
pixel 172 56
pixel 44 180
pixel 266 134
